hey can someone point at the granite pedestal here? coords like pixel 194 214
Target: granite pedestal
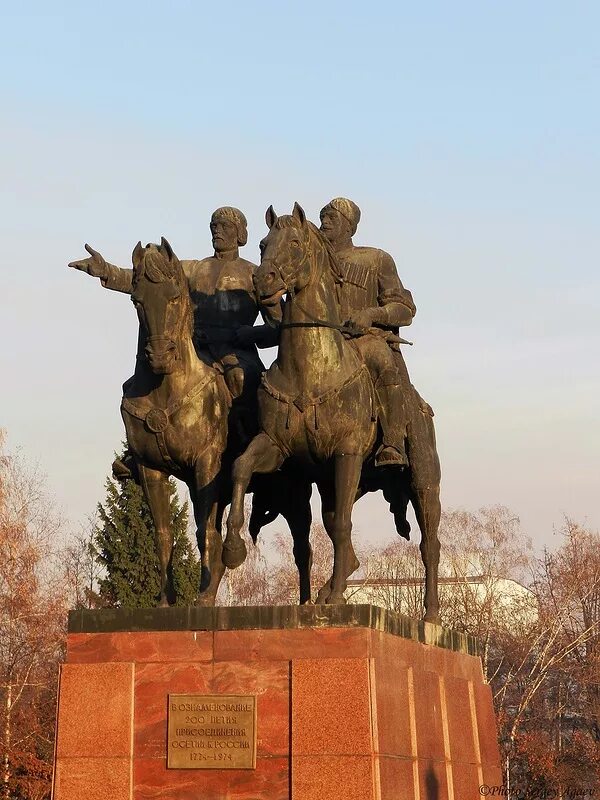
pixel 352 703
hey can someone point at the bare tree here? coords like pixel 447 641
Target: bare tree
pixel 32 613
pixel 81 569
pixel 392 577
pixel 546 688
pixel 485 560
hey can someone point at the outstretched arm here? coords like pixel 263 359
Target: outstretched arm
pixel 266 335
pixel 259 335
pixel 111 277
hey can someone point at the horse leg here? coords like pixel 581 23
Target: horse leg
pixel 204 493
pixel 298 514
pixel 426 503
pixel 261 455
pixel 345 562
pixel 214 557
pixel 212 568
pixel 425 497
pixel 328 515
pixel 155 485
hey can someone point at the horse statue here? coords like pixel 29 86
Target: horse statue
pixel 175 409
pixel 318 409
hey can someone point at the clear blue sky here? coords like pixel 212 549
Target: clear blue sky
pixel 467 132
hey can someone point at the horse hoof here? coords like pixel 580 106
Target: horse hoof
pixel 234 556
pixel 435 619
pixel 336 599
pixel 322 596
pixel 205 601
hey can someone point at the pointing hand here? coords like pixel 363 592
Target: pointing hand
pixel 94 266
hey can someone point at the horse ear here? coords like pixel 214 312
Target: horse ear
pixel 136 256
pixel 167 247
pixel 270 217
pixel 298 213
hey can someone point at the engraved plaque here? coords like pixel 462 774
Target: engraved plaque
pixel 211 731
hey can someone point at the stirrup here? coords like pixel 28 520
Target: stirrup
pixel 388 456
pixel 121 471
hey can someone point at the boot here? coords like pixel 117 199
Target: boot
pixel 393 424
pixel 123 468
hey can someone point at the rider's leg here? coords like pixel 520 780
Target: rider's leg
pixel 393 419
pixel 243 416
pixel 387 379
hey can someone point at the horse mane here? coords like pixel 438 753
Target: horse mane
pixel 155 265
pixel 289 221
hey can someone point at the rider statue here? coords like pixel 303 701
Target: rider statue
pixel 374 301
pixel 225 308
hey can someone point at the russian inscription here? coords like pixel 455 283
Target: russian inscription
pixel 211 731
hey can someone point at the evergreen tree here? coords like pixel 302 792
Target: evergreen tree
pixel 124 545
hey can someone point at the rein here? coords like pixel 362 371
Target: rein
pixel 350 330
pixel 315 322
pixel 346 328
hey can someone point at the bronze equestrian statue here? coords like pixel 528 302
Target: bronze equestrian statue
pixel 175 407
pixel 220 293
pixel 318 405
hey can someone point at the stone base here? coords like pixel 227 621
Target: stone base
pixel 354 703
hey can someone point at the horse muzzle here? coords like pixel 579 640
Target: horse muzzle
pixel 269 284
pixel 161 355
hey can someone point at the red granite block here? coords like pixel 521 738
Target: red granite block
pixel 486 724
pixel 433 784
pixel 331 707
pixel 285 645
pixel 430 739
pixel 95 711
pixel 465 780
pixel 333 778
pixel 396 778
pixel 400 651
pixel 462 665
pixel 270 682
pixel 448 662
pixel 492 775
pixel 435 659
pixel 153 683
pixel 153 781
pixel 92 779
pixel 140 646
pixel 392 702
pixel 460 724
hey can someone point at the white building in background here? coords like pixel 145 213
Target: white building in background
pixel 506 599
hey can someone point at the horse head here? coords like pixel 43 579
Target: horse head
pixel 161 297
pixel 286 263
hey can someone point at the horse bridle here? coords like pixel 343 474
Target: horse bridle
pixel 352 330
pixel 170 342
